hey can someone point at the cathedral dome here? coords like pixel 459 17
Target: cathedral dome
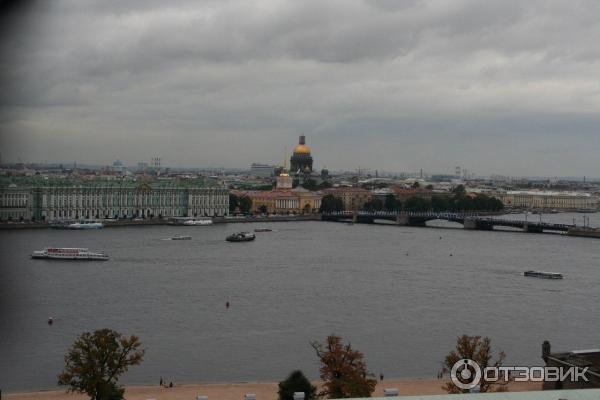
pixel 301 149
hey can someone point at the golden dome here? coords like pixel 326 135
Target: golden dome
pixel 301 149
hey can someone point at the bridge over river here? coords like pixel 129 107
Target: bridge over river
pixel 468 220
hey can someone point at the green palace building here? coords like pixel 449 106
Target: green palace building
pixel 50 199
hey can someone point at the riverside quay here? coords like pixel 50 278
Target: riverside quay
pixel 51 199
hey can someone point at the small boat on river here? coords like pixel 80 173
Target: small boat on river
pixel 543 274
pixel 241 237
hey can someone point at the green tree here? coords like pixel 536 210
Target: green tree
pixel 96 360
pixel 310 184
pixel 263 209
pixel 374 204
pixel 479 350
pixel 441 203
pixel 296 382
pixel 391 203
pixel 245 204
pixel 343 370
pixel 417 203
pixel 459 191
pixel 416 185
pixel 325 185
pixel 330 203
pixel 233 203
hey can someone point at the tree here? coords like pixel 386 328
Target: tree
pixel 459 191
pixel 391 203
pixel 479 350
pixel 331 203
pixel 343 371
pixel 263 209
pixel 310 184
pixel 296 382
pixel 441 203
pixel 416 185
pixel 374 204
pixel 417 203
pixel 96 360
pixel 245 204
pixel 233 202
pixel 325 185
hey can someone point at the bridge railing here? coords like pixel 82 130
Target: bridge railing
pixel 456 216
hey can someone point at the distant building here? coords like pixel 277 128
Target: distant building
pixel 579 359
pixel 402 194
pixel 117 166
pixel 57 199
pixel 293 201
pixel 353 197
pixel 301 161
pixel 547 200
pixel 284 199
pixel 155 163
pixel 262 170
pixel 284 181
pixel 142 166
pixel 15 203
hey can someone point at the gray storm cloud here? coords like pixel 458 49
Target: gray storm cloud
pixel 506 87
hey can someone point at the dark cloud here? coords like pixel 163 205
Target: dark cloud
pixel 390 85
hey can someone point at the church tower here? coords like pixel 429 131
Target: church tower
pixel 301 161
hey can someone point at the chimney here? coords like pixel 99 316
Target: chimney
pixel 302 139
pixel 545 350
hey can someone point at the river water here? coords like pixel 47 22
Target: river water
pixel 401 295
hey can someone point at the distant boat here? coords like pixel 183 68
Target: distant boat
pixel 181 237
pixel 77 225
pixel 86 225
pixel 544 275
pixel 587 210
pixel 193 222
pixel 69 253
pixel 263 230
pixel 241 237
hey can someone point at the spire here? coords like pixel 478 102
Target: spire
pixel 284 170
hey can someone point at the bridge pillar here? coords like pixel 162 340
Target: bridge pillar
pixel 354 217
pixel 532 228
pixel 417 221
pixel 474 223
pixel 470 223
pixel 402 219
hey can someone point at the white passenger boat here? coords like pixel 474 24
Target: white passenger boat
pixel 77 225
pixel 193 222
pixel 86 225
pixel 543 274
pixel 69 253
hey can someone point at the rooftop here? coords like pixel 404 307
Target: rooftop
pixel 92 182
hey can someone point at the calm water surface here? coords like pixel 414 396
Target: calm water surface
pixel 401 295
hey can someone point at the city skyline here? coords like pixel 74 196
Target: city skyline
pixel 502 88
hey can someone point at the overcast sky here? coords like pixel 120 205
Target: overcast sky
pixel 506 87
